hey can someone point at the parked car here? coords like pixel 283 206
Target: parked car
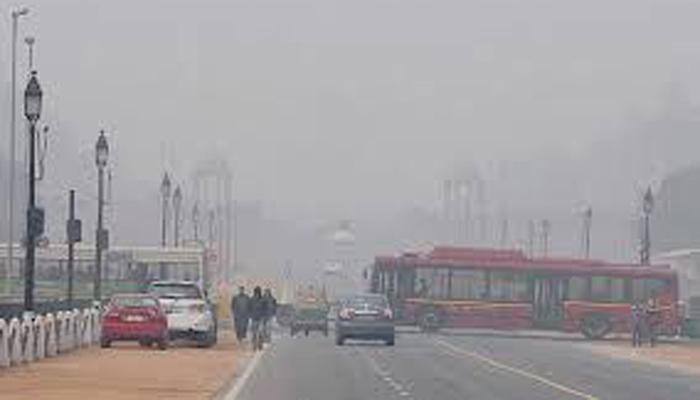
pixel 134 317
pixel 365 316
pixel 190 314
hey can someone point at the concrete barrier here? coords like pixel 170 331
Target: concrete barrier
pixel 29 340
pixel 15 342
pixel 51 341
pixel 39 338
pixel 4 348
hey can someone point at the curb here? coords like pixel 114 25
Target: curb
pixel 233 387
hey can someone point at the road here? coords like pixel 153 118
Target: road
pixel 456 367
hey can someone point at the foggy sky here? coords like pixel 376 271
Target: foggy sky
pixel 329 108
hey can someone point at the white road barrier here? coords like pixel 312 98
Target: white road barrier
pixel 4 347
pixel 47 335
pixel 15 342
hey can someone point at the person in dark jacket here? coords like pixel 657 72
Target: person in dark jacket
pixel 270 311
pixel 638 322
pixel 257 310
pixel 239 310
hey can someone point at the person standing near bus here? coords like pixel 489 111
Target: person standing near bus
pixel 653 318
pixel 239 309
pixel 638 320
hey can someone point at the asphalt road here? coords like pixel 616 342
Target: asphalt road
pixel 456 367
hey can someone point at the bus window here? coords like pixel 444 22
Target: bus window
pixel 642 289
pixel 468 284
pixel 509 286
pixel 432 283
pixel 578 288
pixel 604 288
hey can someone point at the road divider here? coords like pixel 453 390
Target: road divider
pixel 33 339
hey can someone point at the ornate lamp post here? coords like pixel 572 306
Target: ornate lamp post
pixel 177 204
pixel 101 234
pixel 35 216
pixel 165 189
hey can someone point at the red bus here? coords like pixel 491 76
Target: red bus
pixel 504 289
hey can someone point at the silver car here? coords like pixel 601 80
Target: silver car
pixel 366 317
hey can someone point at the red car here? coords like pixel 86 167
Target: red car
pixel 135 317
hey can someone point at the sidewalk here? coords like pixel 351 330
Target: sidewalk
pixel 682 355
pixel 126 372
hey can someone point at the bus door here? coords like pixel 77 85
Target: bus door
pixel 548 301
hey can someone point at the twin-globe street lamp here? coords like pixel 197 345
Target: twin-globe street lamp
pixel 101 234
pixel 35 215
pixel 165 190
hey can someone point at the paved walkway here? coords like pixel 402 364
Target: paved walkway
pixel 126 372
pixel 680 355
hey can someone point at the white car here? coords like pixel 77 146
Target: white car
pixel 190 315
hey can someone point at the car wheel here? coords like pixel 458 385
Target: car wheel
pixel 390 341
pixel 306 332
pixel 339 340
pixel 163 344
pixel 105 343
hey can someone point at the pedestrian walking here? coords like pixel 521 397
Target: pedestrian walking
pixel 257 310
pixel 239 309
pixel 638 320
pixel 270 312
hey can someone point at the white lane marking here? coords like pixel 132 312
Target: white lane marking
pixel 514 370
pixel 385 376
pixel 240 382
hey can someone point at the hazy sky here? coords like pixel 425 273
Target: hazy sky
pixel 339 107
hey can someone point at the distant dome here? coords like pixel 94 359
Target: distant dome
pixel 342 236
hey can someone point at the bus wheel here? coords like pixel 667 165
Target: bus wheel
pixel 596 326
pixel 429 320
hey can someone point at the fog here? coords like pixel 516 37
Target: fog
pixel 329 109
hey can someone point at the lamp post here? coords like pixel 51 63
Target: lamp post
pixel 587 224
pixel 35 216
pixel 165 187
pixel 647 208
pixel 13 125
pixel 101 235
pixel 195 222
pixel 177 203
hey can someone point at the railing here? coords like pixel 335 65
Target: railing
pixel 28 340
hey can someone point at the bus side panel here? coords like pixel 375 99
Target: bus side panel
pixel 620 314
pixel 471 314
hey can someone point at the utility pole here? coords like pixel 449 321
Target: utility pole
pixel 647 208
pixel 531 238
pixel 16 14
pixel 74 234
pixel 587 224
pixel 546 226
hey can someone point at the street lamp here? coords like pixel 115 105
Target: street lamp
pixel 647 208
pixel 101 234
pixel 35 216
pixel 165 187
pixel 16 14
pixel 177 203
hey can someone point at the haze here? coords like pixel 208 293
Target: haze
pixel 330 109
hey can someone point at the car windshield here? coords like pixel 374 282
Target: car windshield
pixel 175 291
pixel 134 302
